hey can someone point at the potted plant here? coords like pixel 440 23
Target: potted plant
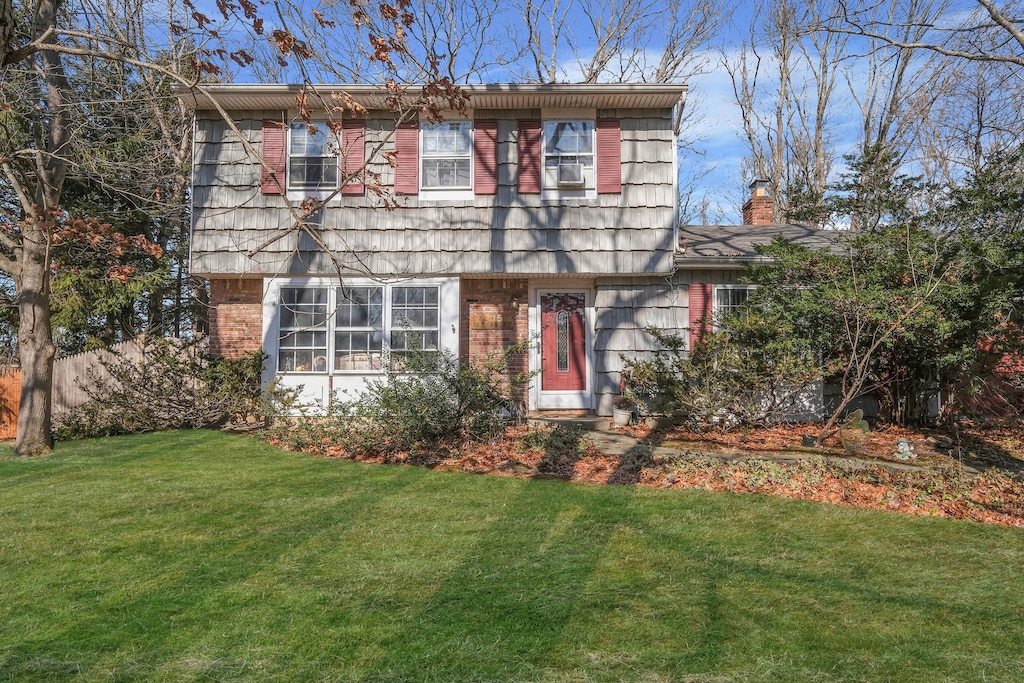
pixel 623 411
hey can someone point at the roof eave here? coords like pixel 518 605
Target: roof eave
pixel 484 96
pixel 712 262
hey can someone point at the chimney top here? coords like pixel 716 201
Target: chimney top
pixel 760 208
pixel 761 187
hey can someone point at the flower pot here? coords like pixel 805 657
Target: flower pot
pixel 622 417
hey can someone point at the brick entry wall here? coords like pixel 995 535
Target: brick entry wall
pixel 236 317
pixel 493 315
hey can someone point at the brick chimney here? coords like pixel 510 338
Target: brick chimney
pixel 760 208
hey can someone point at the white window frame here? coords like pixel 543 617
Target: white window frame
pixel 549 181
pixel 329 150
pixel 316 352
pixel 388 325
pixel 718 310
pixel 425 156
pixel 376 354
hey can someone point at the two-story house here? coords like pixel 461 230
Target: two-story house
pixel 542 212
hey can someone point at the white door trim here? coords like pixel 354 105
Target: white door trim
pixel 561 400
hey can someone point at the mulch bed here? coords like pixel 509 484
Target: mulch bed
pixel 940 489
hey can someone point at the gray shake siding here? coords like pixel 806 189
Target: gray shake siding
pixel 624 307
pixel 627 233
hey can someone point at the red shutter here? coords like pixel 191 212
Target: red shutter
pixel 407 163
pixel 530 158
pixel 485 156
pixel 275 137
pixel 609 156
pixel 353 154
pixel 700 310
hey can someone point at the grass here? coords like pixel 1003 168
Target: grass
pixel 194 556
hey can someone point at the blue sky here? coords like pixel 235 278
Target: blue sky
pixel 716 134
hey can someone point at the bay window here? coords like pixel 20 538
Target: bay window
pixel 359 327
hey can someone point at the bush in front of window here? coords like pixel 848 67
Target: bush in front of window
pixel 430 404
pixel 750 373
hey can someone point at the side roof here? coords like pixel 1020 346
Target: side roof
pixel 705 245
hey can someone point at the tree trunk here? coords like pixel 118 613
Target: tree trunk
pixel 35 345
pixel 35 335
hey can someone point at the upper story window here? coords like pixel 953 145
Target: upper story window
pixel 312 157
pixel 569 154
pixel 446 154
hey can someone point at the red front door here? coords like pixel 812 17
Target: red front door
pixel 563 352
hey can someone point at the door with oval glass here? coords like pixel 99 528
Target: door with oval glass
pixel 563 366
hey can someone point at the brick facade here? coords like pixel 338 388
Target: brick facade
pixel 236 316
pixel 759 210
pixel 493 315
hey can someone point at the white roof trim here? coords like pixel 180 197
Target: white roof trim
pixel 239 96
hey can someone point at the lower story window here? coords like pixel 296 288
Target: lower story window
pixel 302 323
pixel 730 300
pixel 414 319
pixel 359 327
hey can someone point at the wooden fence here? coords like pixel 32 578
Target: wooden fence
pixel 70 374
pixel 10 399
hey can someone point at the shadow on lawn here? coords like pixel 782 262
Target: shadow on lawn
pixel 139 633
pixel 502 611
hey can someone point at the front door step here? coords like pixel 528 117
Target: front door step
pixel 581 419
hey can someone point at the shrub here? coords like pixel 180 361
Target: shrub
pixel 430 402
pixel 748 374
pixel 173 385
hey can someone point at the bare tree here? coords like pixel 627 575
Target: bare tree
pixel 979 112
pixel 470 38
pixel 962 30
pixel 784 82
pixel 588 41
pixel 894 87
pixel 36 157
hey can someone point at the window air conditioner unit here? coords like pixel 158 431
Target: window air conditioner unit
pixel 570 174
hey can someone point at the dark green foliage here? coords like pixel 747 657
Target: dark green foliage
pixel 750 372
pixel 173 385
pixel 869 195
pixel 917 297
pixel 562 447
pixel 431 403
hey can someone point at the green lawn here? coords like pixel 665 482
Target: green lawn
pixel 201 556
